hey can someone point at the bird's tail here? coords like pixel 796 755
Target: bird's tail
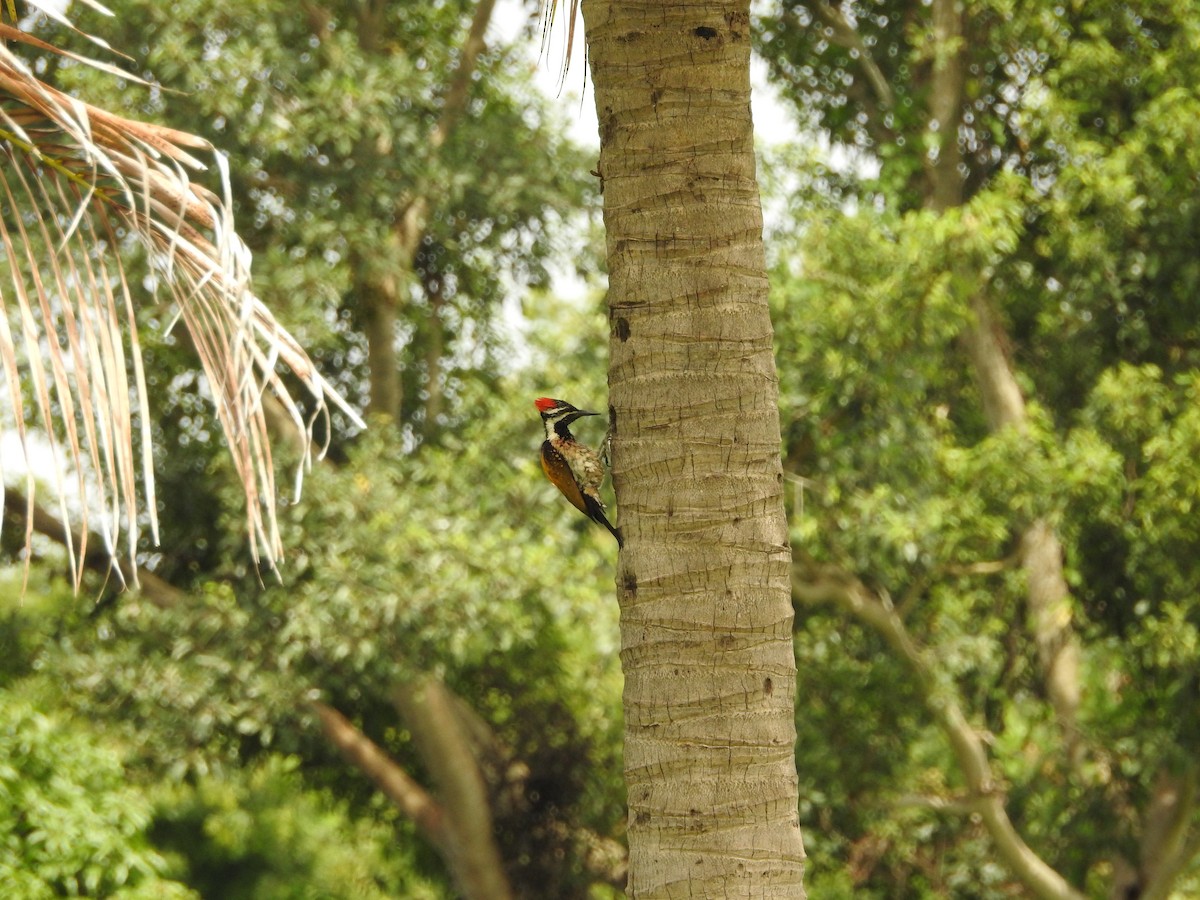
pixel 616 532
pixel 596 513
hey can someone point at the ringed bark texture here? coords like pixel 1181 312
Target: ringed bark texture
pixel 704 581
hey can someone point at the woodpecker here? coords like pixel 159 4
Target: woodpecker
pixel 572 467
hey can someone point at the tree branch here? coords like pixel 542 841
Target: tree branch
pixel 460 83
pixel 606 860
pixel 945 102
pixel 34 517
pixel 507 777
pixel 816 584
pixel 1166 850
pixel 396 784
pixel 428 709
pixel 384 290
pixel 1048 598
pixel 846 35
pixel 411 222
pixel 961 805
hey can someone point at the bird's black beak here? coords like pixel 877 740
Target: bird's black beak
pixel 584 412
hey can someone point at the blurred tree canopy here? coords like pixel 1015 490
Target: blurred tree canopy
pixel 424 550
pixel 1071 209
pixel 328 120
pixel 168 743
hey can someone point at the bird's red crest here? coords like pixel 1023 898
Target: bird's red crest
pixel 545 403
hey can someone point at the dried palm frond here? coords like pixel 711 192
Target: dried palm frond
pixel 75 183
pixel 548 14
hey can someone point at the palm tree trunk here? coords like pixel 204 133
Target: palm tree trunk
pixel 704 577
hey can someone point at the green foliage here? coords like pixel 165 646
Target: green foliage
pixel 1079 228
pixel 70 824
pixel 327 119
pixel 433 547
pixel 260 832
pixel 823 77
pixel 189 689
pixel 397 570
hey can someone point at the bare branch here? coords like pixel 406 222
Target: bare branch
pixel 1048 596
pixel 35 518
pixel 814 584
pixel 960 805
pixel 1166 850
pixel 460 82
pixel 384 289
pixel 507 776
pixel 983 567
pixel 846 35
pixel 429 710
pixel 947 87
pixel 412 218
pixel 396 784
